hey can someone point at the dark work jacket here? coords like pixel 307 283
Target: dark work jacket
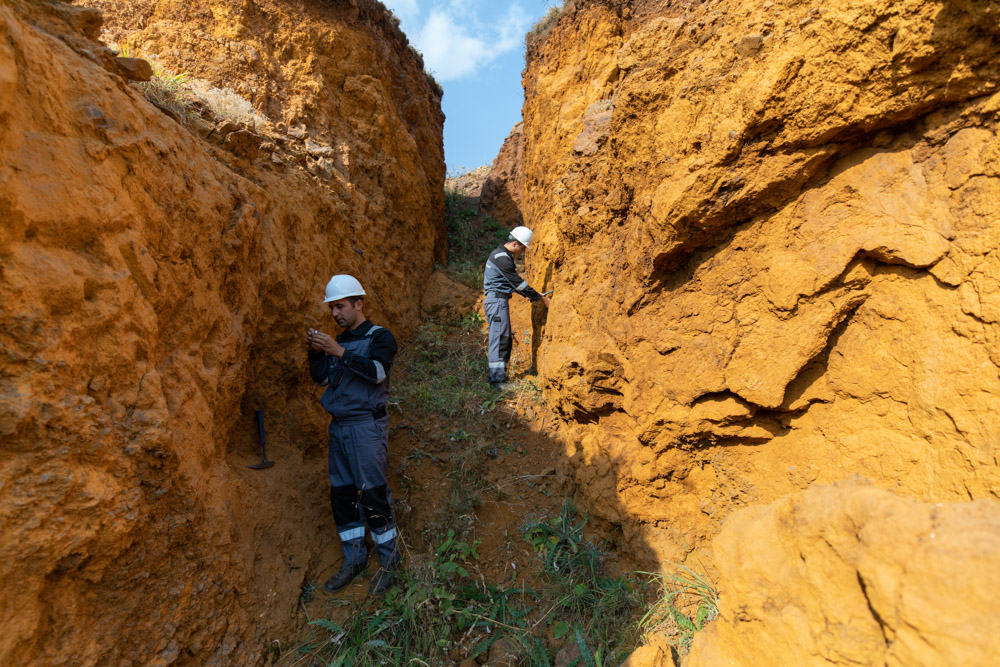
pixel 501 276
pixel 357 385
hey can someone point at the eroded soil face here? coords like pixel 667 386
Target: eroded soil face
pixel 771 233
pixel 155 291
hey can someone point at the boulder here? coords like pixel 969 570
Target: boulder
pixel 851 574
pixel 134 69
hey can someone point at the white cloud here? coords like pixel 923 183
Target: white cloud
pixel 455 43
pixel 448 51
pixel 512 28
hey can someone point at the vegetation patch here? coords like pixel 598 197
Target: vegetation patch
pixel 440 613
pixel 471 236
pixel 597 606
pixel 444 610
pixel 445 371
pixel 183 97
pixel 544 24
pixel 686 602
pixel 170 91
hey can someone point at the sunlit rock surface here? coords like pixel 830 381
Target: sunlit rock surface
pixel 154 292
pixel 855 575
pixel 771 229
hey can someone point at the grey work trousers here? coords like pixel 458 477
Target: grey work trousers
pixel 359 490
pixel 498 351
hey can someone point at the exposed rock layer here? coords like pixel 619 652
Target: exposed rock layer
pixel 340 73
pixel 853 575
pixel 154 292
pixel 771 230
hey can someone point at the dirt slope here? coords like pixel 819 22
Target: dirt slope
pixel 154 293
pixel 771 231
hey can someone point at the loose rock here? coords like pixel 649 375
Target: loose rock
pixel 134 69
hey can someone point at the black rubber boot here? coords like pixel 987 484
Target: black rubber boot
pixel 344 576
pixel 382 580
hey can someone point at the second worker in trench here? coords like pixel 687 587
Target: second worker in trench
pixel 500 280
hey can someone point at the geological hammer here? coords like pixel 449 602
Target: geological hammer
pixel 264 463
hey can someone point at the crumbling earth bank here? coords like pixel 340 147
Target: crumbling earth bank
pixel 771 229
pixel 854 575
pixel 154 293
pixel 340 74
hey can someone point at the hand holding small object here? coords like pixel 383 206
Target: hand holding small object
pixel 321 341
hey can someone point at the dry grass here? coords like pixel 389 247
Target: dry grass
pixel 227 103
pixel 169 90
pixel 177 92
pixel 544 24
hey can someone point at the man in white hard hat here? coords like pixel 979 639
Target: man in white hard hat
pixel 355 369
pixel 500 280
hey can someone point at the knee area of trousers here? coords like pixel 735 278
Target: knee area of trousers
pixel 376 506
pixel 348 493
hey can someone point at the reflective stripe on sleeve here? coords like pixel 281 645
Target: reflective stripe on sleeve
pixel 379 372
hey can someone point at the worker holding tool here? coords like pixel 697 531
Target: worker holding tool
pixel 500 280
pixel 355 368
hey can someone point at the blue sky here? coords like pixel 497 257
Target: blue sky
pixel 475 50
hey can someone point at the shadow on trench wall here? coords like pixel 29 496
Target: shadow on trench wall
pixel 594 474
pixel 499 202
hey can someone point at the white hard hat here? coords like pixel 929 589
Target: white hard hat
pixel 343 286
pixel 522 234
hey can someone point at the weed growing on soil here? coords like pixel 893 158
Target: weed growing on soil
pixel 442 610
pixel 169 90
pixel 687 602
pixel 445 380
pixel 166 89
pixel 308 592
pixel 544 24
pixel 438 612
pixel 446 373
pixel 588 600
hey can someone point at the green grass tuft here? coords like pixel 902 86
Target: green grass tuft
pixel 596 604
pixel 687 601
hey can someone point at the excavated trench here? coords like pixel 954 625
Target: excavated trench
pixel 771 232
